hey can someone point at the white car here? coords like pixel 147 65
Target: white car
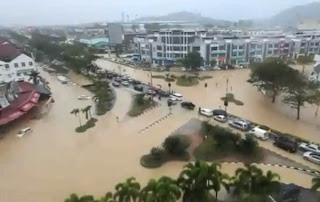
pixel 259 133
pixel 84 97
pixel 125 83
pixel 183 69
pixel 309 147
pixel 176 96
pixel 313 157
pixel 24 131
pixel 206 112
pixel 220 118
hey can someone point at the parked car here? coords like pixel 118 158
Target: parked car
pixel 205 112
pixel 171 102
pixel 109 75
pixel 84 97
pixel 164 93
pixel 187 105
pixel 115 84
pixel 311 156
pixel 239 124
pixel 219 112
pixel 151 92
pixel 24 131
pixel 135 82
pixel 117 79
pixel 138 88
pixel 125 83
pixel 177 96
pixel 309 147
pixel 220 118
pixel 285 143
pixel 259 133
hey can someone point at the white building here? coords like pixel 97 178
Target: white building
pixel 14 64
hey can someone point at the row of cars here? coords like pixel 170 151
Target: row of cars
pixel 311 151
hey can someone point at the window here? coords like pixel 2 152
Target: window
pixel 214 55
pixel 270 46
pixel 176 40
pixel 26 73
pixel 18 74
pixel 311 49
pixel 6 66
pixel 30 63
pixel 234 54
pixel 222 47
pixel 234 46
pixel 316 44
pixel 241 53
pixel 159 48
pixel 275 52
pixel 269 52
pixel 311 44
pixel 23 64
pixel 214 48
pixel 176 48
pixel 159 54
pixel 16 65
pixel 241 46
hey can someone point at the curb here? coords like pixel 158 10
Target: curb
pixel 155 123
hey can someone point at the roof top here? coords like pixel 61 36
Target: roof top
pixel 8 52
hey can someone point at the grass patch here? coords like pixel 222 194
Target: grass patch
pixel 230 98
pixel 174 148
pixel 139 104
pixel 201 78
pixel 222 143
pixel 167 77
pixel 187 81
pixel 89 124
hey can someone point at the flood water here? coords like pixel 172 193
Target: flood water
pixel 54 161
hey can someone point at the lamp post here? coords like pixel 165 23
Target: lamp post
pixel 169 85
pixel 226 100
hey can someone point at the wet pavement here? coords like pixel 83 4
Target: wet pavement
pixel 54 161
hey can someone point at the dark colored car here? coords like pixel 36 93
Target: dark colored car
pixel 164 93
pixel 118 79
pixel 217 112
pixel 135 82
pixel 138 88
pixel 286 143
pixel 115 84
pixel 188 105
pixel 109 75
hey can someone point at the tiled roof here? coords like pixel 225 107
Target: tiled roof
pixel 8 52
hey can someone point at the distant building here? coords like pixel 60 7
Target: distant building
pixel 115 34
pixel 14 64
pixel 99 42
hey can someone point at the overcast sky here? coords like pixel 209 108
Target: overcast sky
pixel 50 12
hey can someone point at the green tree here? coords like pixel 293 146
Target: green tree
pixel 213 63
pixel 297 91
pixel 316 184
pixel 250 184
pixel 195 181
pixel 193 60
pixel 248 145
pixel 315 99
pixel 107 198
pixel 176 145
pixel 76 198
pixel 271 75
pixel 127 191
pixel 163 190
pixel 304 60
pixel 76 113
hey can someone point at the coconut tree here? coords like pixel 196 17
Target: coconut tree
pixel 86 112
pixel 163 190
pixel 76 113
pixel 316 184
pixel 194 180
pixel 127 191
pixel 76 198
pixel 107 198
pixel 218 179
pixel 304 60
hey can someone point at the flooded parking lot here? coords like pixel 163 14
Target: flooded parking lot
pixel 54 161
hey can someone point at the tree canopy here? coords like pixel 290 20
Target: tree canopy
pixel 193 60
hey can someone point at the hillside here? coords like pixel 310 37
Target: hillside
pixel 186 17
pixel 291 16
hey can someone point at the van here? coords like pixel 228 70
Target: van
pixel 239 124
pixel 286 143
pixel 24 131
pixel 259 133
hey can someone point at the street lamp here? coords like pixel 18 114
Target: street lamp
pixel 226 100
pixel 169 85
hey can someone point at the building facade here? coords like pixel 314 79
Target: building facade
pixel 14 65
pixel 170 45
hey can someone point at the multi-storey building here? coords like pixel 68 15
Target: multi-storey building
pixel 14 65
pixel 170 45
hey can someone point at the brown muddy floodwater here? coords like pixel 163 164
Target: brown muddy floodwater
pixel 54 161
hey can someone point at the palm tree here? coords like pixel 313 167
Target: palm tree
pixel 218 178
pixel 127 191
pixel 107 198
pixel 250 183
pixel 163 190
pixel 316 184
pixel 86 112
pixel 76 198
pixel 76 112
pixel 194 180
pixel 34 76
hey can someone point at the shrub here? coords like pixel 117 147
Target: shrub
pixel 157 153
pixel 248 145
pixel 176 145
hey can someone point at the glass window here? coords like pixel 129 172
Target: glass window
pixel 234 53
pixel 241 53
pixel 241 46
pixel 222 47
pixel 234 46
pixel 311 44
pixel 214 48
pixel 159 54
pixel 16 65
pixel 176 48
pixel 23 64
pixel 6 66
pixel 269 52
pixel 270 45
pixel 214 55
pixel 176 40
pixel 18 74
pixel 30 63
pixel 159 47
pixel 316 44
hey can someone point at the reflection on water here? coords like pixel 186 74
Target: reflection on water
pixel 54 161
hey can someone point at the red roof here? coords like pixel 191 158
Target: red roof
pixel 8 52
